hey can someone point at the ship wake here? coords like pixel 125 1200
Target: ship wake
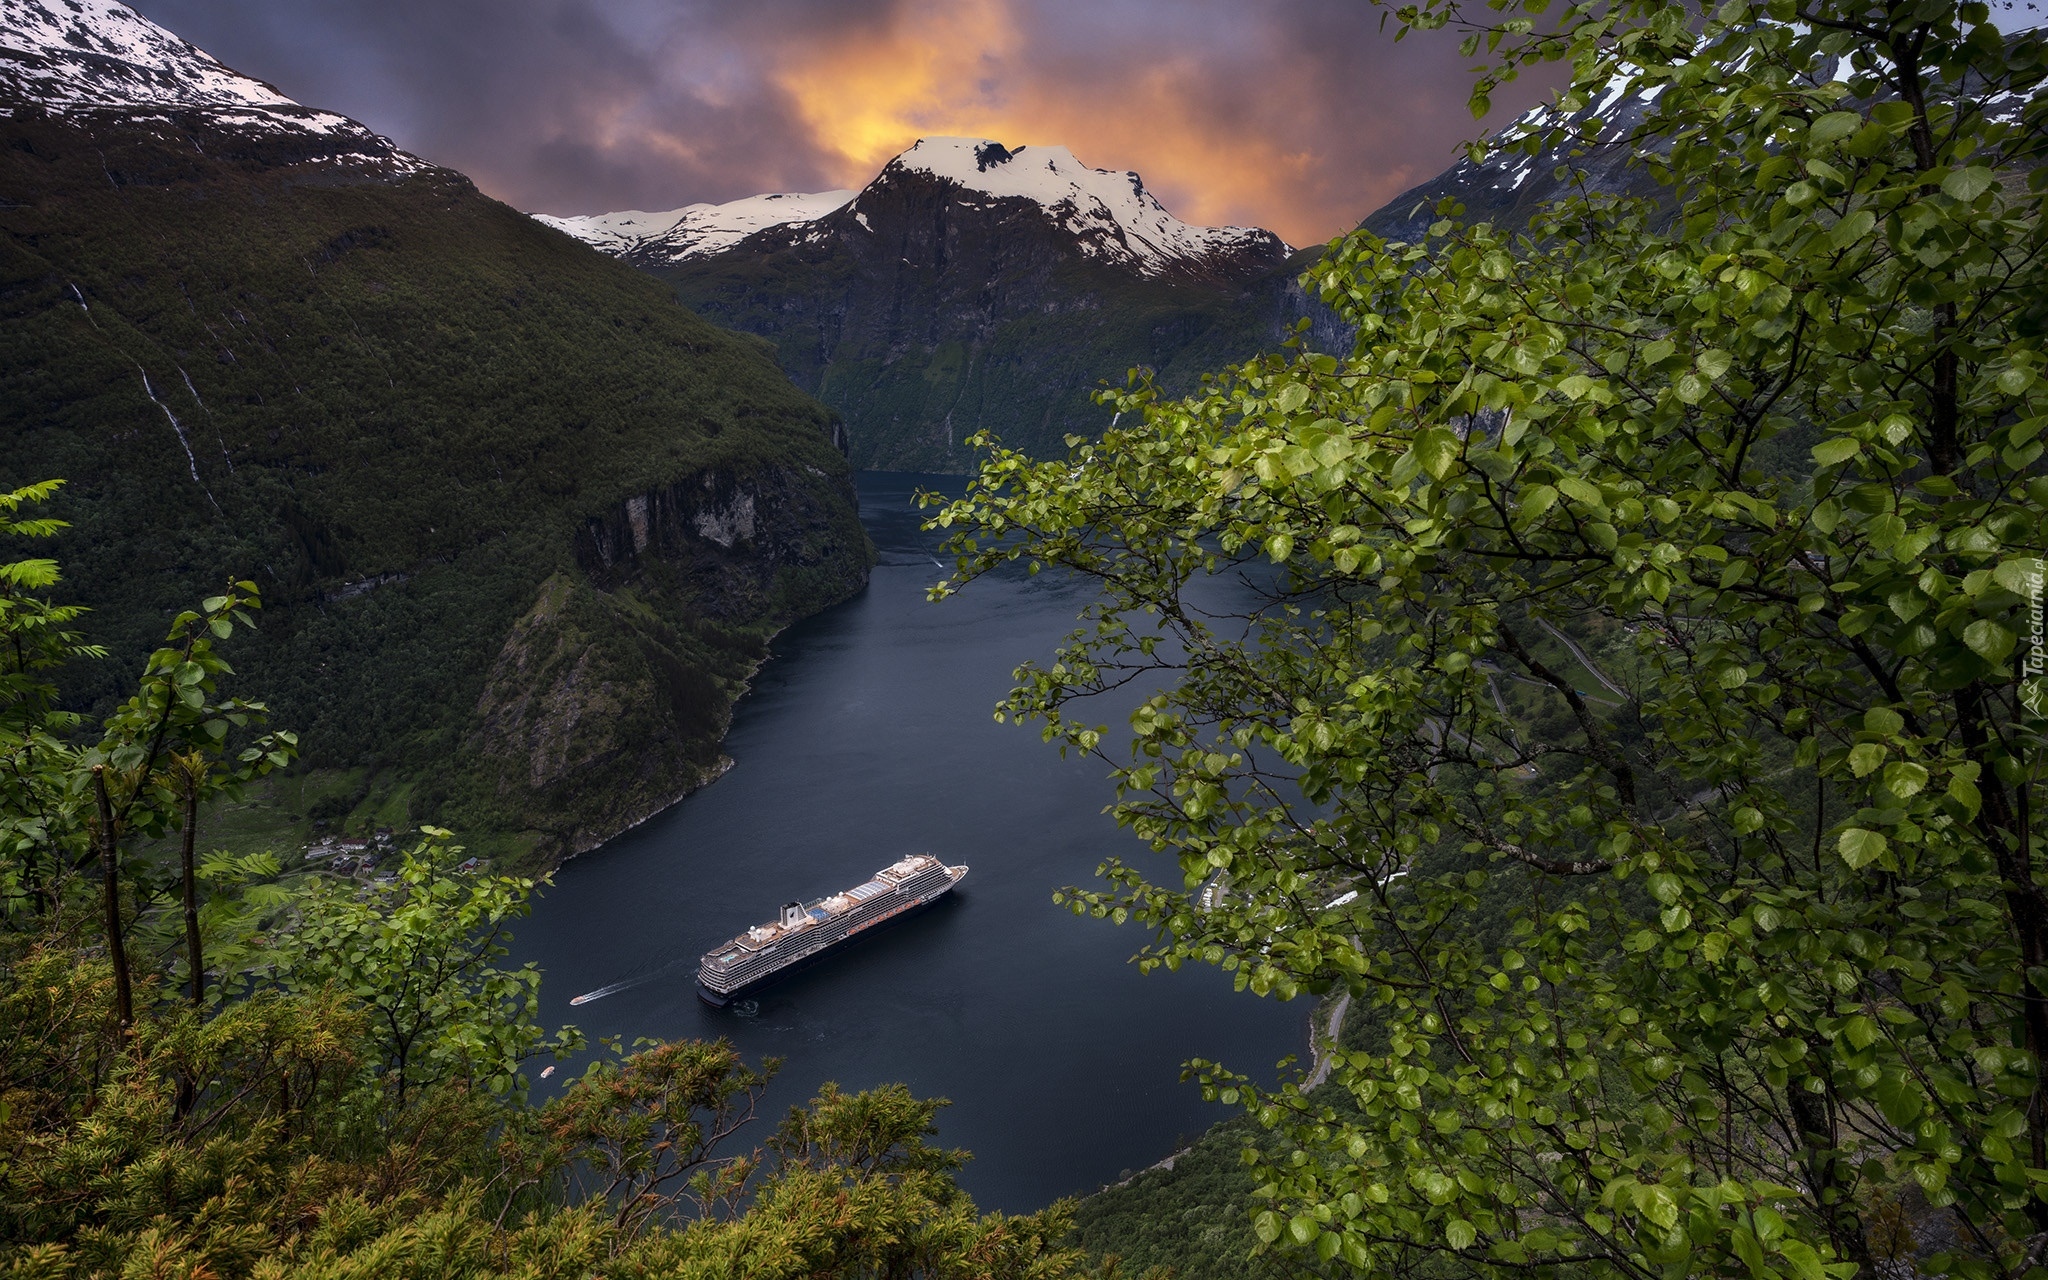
pixel 625 984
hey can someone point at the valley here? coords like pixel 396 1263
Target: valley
pixel 1516 732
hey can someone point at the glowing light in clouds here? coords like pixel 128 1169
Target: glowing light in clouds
pixel 1296 115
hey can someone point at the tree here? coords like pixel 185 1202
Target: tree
pixel 1763 455
pixel 37 811
pixel 64 804
pixel 644 1133
pixel 422 961
pixel 141 783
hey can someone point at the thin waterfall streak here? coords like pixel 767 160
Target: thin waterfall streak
pixel 209 417
pixel 191 462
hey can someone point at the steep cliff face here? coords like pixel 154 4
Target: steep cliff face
pixel 609 697
pixel 973 286
pixel 261 342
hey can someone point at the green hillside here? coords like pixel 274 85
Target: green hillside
pixel 470 463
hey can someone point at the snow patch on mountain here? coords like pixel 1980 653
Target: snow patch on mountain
pixel 1110 213
pixel 697 230
pixel 80 58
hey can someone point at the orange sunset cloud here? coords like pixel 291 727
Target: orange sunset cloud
pixel 1301 116
pixel 974 68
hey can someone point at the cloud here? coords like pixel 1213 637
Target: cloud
pixel 1298 115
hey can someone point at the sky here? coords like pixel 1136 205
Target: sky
pixel 1301 116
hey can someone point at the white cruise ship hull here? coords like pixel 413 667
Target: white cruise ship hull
pixel 807 931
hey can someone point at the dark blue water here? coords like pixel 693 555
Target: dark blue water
pixel 869 736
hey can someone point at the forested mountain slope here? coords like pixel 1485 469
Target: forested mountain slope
pixel 522 523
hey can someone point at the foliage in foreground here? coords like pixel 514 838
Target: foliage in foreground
pixel 213 1073
pixel 1774 999
pixel 295 1158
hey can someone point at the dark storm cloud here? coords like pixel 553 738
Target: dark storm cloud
pixel 1300 115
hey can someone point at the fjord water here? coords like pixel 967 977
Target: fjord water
pixel 866 737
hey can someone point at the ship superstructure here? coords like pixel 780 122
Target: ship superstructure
pixel 804 929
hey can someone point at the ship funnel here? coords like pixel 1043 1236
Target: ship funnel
pixel 792 914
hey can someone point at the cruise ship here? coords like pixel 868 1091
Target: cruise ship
pixel 806 928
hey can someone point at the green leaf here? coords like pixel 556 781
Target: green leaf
pixel 1656 1203
pixel 1905 778
pixel 1581 492
pixel 1988 640
pixel 1840 449
pixel 1865 757
pixel 1806 1263
pixel 1744 1242
pixel 1834 126
pixel 1968 184
pixel 1859 848
pixel 1852 228
pixel 1898 1099
pixel 1459 1234
pixel 1964 792
pixel 1436 449
pixel 2022 576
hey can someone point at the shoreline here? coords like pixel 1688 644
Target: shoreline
pixel 1320 1049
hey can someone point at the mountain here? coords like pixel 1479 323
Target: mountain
pixel 971 285
pixel 91 62
pixel 697 230
pixel 1507 186
pixel 522 523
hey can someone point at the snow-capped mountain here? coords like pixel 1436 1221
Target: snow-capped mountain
pixel 970 285
pixel 86 60
pixel 1507 187
pixel 696 230
pixel 1109 216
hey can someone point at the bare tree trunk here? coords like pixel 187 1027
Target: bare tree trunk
pixel 110 872
pixel 1828 1173
pixel 188 1092
pixel 192 952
